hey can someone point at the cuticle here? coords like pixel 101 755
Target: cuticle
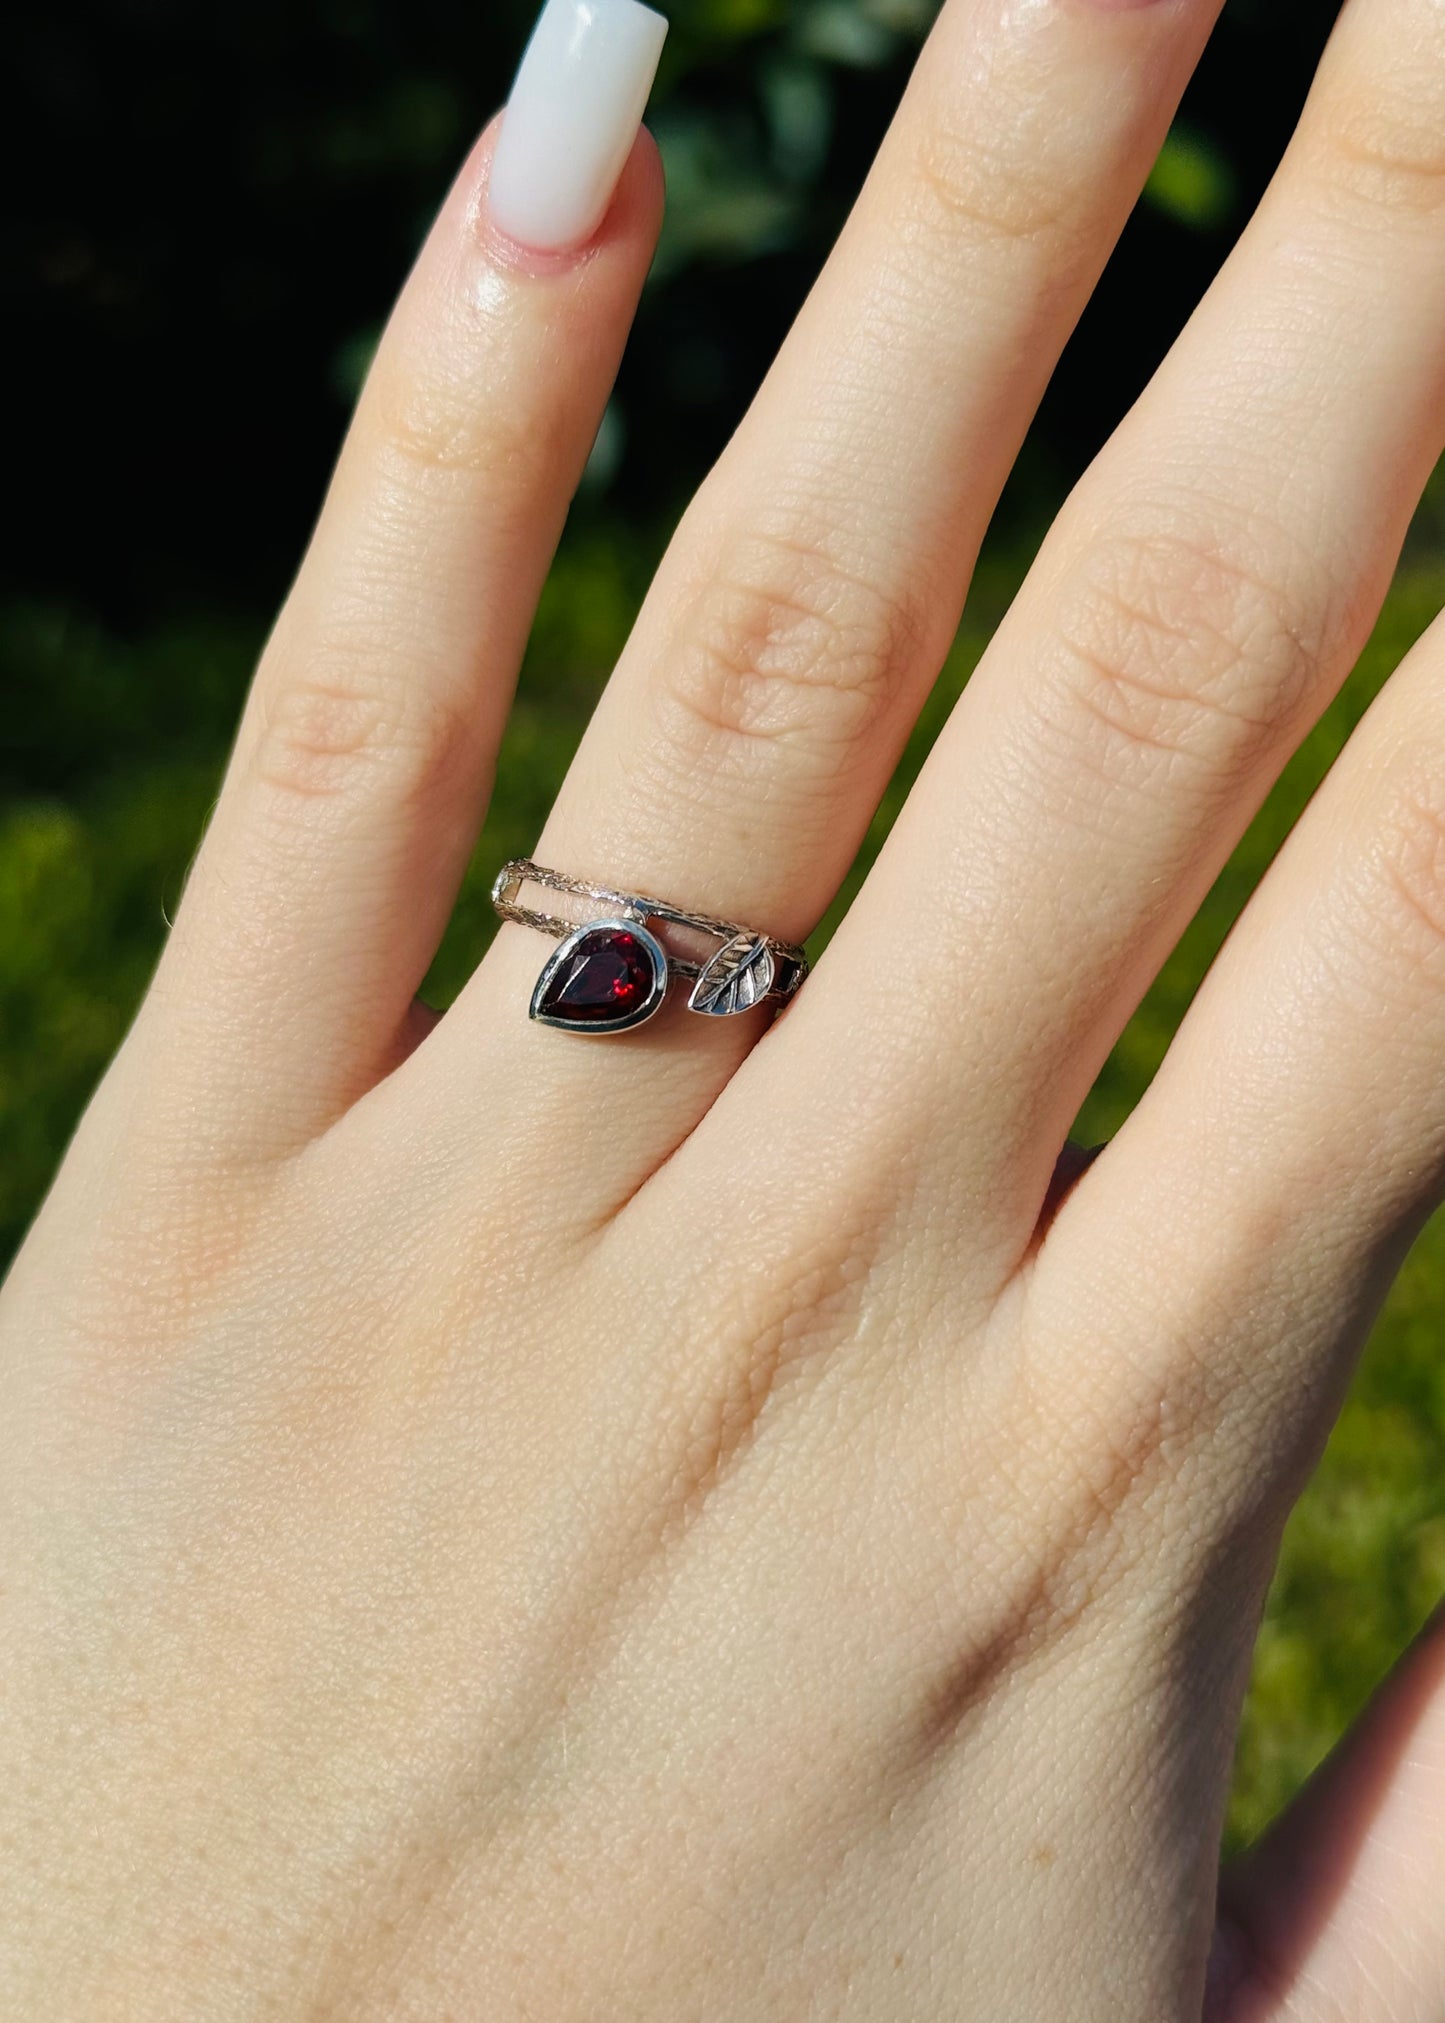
pixel 508 255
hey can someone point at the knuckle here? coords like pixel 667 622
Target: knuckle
pixel 1387 150
pixel 1173 653
pixel 423 427
pixel 971 189
pixel 1408 863
pixel 1110 1482
pixel 1089 1473
pixel 328 733
pixel 775 1339
pixel 781 647
pixel 1120 1454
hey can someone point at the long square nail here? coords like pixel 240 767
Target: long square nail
pixel 572 118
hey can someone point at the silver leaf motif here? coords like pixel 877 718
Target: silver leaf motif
pixel 739 976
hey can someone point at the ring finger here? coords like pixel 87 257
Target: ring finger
pixel 813 589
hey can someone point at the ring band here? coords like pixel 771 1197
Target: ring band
pixel 611 974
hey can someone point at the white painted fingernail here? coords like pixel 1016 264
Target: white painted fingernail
pixel 572 117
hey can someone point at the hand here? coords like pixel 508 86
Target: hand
pixel 731 1524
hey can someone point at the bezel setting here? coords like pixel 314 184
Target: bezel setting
pixel 566 952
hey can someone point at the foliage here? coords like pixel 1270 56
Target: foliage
pixel 227 203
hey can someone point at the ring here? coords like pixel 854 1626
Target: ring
pixel 609 975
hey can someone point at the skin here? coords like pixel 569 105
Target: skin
pixel 732 1522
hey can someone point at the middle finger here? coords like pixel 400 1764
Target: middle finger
pixel 1205 591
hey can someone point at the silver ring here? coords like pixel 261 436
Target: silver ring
pixel 610 974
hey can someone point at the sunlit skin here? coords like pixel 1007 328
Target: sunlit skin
pixel 741 1520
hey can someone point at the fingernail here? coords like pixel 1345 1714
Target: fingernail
pixel 571 120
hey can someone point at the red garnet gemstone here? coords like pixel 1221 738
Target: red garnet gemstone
pixel 607 976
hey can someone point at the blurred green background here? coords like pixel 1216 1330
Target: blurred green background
pixel 211 209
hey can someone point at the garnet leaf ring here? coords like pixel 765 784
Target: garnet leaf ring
pixel 609 974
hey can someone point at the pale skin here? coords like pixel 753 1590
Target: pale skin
pixel 731 1522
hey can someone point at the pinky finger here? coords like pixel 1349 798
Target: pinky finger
pixel 1339 1911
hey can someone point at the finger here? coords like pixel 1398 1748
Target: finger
pixel 812 590
pixel 367 749
pixel 1237 1236
pixel 1205 592
pixel 1340 1909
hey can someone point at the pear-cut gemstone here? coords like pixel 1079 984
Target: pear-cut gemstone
pixel 602 978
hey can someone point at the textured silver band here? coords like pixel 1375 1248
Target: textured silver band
pixel 789 964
